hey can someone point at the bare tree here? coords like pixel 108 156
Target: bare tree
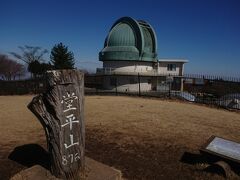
pixel 9 68
pixel 30 55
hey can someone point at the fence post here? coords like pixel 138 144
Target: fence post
pixel 139 85
pixel 96 85
pixel 60 111
pixel 169 81
pixel 182 84
pixel 116 85
pixel 169 90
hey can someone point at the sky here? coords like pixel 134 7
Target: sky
pixel 205 32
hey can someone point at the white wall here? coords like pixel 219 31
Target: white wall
pixel 163 68
pixel 129 66
pixel 128 83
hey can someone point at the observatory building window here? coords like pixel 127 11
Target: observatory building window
pixel 171 67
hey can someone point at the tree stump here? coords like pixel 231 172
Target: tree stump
pixel 60 110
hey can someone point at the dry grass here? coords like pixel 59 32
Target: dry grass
pixel 188 123
pixel 145 138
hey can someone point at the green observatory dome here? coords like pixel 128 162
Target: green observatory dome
pixel 129 39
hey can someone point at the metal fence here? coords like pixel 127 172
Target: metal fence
pixel 22 87
pixel 212 90
pixel 204 89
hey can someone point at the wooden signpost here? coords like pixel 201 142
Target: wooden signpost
pixel 60 111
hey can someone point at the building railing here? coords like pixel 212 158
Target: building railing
pixel 115 71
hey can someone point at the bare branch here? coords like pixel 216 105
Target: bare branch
pixel 30 53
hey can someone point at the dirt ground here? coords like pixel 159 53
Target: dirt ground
pixel 144 138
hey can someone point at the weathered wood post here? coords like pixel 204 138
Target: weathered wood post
pixel 60 110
